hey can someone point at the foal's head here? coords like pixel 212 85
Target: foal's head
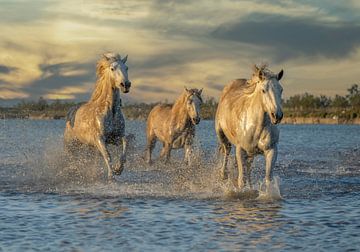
pixel 193 104
pixel 268 85
pixel 118 71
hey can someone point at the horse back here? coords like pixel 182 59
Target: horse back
pixel 160 112
pixel 70 116
pixel 233 87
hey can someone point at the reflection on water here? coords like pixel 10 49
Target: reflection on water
pixel 48 202
pixel 253 222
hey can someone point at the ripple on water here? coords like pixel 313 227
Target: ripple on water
pixel 50 202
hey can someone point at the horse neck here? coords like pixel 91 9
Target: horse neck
pixel 253 105
pixel 104 93
pixel 179 113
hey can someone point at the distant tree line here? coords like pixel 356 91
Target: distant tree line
pixel 44 105
pixel 301 105
pixel 308 101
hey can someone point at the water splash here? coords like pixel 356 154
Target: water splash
pixel 270 192
pixel 51 170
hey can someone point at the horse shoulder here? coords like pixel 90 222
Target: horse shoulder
pixel 159 121
pixel 269 137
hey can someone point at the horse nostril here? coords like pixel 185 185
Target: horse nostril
pixel 281 115
pixel 273 115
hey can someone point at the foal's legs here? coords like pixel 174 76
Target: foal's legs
pixel 151 140
pixel 166 151
pixel 100 144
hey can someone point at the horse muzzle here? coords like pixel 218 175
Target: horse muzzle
pixel 125 87
pixel 276 117
pixel 195 120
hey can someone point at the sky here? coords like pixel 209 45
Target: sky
pixel 50 48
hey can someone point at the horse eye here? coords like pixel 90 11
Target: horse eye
pixel 112 68
pixel 264 91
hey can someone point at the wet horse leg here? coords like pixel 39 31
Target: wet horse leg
pixel 188 150
pixel 166 152
pixel 249 162
pixel 151 141
pixel 270 159
pixel 100 144
pixel 241 159
pixel 119 168
pixel 225 148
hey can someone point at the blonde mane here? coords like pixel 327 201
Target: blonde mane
pixel 247 87
pixel 103 85
pixel 181 100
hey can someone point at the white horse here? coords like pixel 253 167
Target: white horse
pixel 174 125
pixel 246 117
pixel 100 121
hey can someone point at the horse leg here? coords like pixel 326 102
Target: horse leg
pixel 241 160
pixel 225 148
pixel 151 141
pixel 249 162
pixel 119 169
pixel 167 150
pixel 270 159
pixel 100 144
pixel 188 150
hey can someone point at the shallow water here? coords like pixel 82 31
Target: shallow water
pixel 48 202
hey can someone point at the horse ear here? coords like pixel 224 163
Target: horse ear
pixel 200 91
pixel 124 59
pixel 186 89
pixel 280 75
pixel 260 75
pixel 106 56
pixel 109 55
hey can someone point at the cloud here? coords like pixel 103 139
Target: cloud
pixel 154 89
pixel 56 80
pixel 6 69
pixel 216 86
pixel 287 37
pixel 51 49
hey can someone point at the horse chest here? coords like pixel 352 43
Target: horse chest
pixel 255 139
pixel 114 121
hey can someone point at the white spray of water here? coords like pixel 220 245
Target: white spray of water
pixel 53 171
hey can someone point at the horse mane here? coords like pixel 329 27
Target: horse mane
pixel 178 104
pixel 248 86
pixel 178 110
pixel 103 85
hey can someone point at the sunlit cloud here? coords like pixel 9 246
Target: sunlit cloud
pixel 50 48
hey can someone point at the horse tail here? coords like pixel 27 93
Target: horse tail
pixel 70 116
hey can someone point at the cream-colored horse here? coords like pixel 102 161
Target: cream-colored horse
pixel 246 117
pixel 100 121
pixel 174 125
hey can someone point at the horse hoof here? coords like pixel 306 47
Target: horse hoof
pixel 118 169
pixel 224 176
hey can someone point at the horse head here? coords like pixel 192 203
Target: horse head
pixel 193 104
pixel 118 71
pixel 268 85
